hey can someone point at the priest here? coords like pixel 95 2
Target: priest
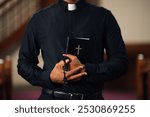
pixel 72 36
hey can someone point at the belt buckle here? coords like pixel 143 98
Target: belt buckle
pixel 71 96
pixel 77 94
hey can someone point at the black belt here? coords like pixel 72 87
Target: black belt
pixel 64 95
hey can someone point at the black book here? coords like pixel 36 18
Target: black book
pixel 80 47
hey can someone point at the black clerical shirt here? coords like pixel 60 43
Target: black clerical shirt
pixel 47 31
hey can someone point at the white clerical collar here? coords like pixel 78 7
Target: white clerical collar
pixel 72 7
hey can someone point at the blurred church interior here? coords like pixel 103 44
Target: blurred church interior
pixel 134 19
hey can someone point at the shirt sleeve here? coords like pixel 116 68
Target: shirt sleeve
pixel 117 60
pixel 28 59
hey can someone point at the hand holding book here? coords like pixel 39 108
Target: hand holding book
pixel 77 50
pixel 75 64
pixel 76 71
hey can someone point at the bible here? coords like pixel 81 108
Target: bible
pixel 80 47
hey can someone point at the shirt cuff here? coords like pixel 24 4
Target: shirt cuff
pixel 45 76
pixel 90 68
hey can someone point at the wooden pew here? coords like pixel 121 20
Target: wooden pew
pixel 143 77
pixel 8 78
pixel 1 79
pixel 5 79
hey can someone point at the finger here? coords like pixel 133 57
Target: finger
pixel 77 76
pixel 60 64
pixel 69 56
pixel 74 71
